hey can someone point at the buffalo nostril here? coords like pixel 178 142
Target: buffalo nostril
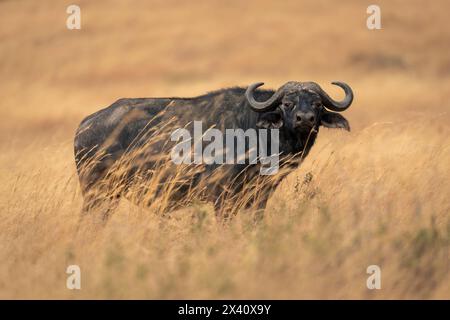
pixel 310 118
pixel 299 118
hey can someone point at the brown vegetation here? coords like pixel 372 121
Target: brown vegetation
pixel 378 195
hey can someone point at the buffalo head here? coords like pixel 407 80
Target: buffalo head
pixel 300 107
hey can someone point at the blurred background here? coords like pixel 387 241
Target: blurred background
pixel 52 77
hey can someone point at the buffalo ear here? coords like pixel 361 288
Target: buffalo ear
pixel 334 120
pixel 270 120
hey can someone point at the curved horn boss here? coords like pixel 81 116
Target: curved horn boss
pixel 265 105
pixel 328 102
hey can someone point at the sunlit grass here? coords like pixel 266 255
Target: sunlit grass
pixel 378 195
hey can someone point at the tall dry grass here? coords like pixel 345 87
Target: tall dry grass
pixel 378 195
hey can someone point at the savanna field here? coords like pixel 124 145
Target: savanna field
pixel 379 195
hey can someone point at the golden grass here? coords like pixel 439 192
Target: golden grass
pixel 378 195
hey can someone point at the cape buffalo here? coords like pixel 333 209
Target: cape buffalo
pixel 296 110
